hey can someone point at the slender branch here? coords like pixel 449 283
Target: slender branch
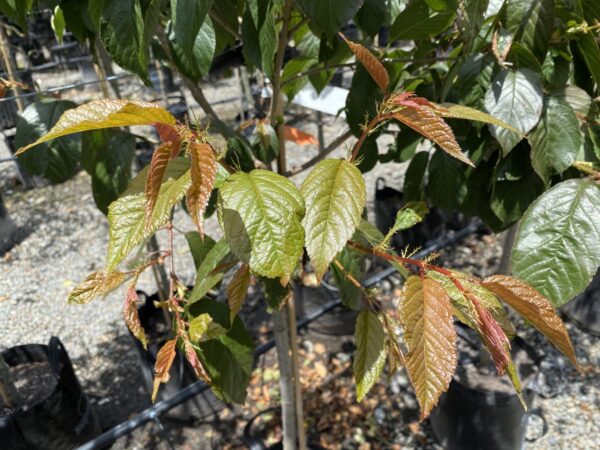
pixel 326 151
pixel 315 70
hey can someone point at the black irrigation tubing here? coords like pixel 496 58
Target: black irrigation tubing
pixel 66 87
pixel 154 412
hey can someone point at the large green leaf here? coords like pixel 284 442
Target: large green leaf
pixel 335 195
pixel 105 113
pixel 121 31
pixel 107 156
pixel 259 35
pixel 517 99
pixel 228 359
pixel 446 184
pixel 474 78
pixel 419 21
pixel 556 139
pixel 127 217
pixel 16 10
pixel 371 16
pixel 192 37
pixel 330 15
pixel 370 352
pixel 207 276
pixel 361 102
pixel 57 161
pixel 199 247
pixel 260 213
pixel 556 250
pixel 531 23
pixel 588 45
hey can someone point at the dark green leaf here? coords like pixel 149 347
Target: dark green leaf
pixel 57 160
pixel 330 15
pixel 591 53
pixel 352 262
pixel 414 189
pixel 446 184
pixel 531 23
pixel 275 293
pixel 517 99
pixel 418 21
pixel 107 156
pixel 369 360
pixel 556 250
pixel 228 360
pixel 199 247
pixel 474 79
pixel 239 155
pixel 206 276
pixel 260 38
pixel 556 139
pixel 361 103
pixel 371 16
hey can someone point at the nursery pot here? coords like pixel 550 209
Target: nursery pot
pixel 469 418
pixel 61 417
pixel 585 308
pixel 204 405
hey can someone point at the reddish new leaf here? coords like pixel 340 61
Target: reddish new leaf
pixel 237 289
pixel 299 137
pixel 132 319
pixel 423 120
pixel 371 63
pixel 158 166
pixel 430 336
pixel 168 133
pixel 97 284
pixel 534 307
pixel 192 357
pixel 164 361
pixel 203 172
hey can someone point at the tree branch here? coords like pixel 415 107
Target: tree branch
pixel 326 151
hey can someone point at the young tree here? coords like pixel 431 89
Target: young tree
pixel 536 77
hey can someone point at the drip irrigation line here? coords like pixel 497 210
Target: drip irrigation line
pixel 66 87
pixel 154 412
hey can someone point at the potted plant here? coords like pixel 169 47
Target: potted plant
pixel 269 223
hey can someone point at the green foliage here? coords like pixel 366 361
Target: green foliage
pixel 370 352
pixel 556 249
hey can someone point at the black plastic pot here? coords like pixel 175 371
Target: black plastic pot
pixel 585 308
pixel 470 419
pixel 64 419
pixel 202 406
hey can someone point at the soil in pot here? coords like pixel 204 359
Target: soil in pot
pixel 480 409
pixel 202 406
pixel 55 412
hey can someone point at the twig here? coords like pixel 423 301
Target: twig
pixel 326 151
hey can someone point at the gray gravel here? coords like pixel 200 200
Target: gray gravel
pixel 62 237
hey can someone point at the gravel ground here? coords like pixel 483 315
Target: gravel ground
pixel 62 237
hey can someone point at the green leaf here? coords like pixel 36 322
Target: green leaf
pixel 107 156
pixel 446 184
pixel 517 99
pixel 176 168
pixel 206 276
pixel 127 217
pixel 371 16
pixel 418 21
pixel 203 327
pixel 260 213
pixel 577 99
pixel 197 63
pixel 121 32
pixel 57 161
pixel 510 199
pixel 369 360
pixel 275 294
pixel 259 35
pixel 587 44
pixel 58 23
pixel 228 360
pixel 199 247
pixel 239 154
pixel 292 69
pixel 531 23
pixel 414 189
pixel 330 15
pixel 474 79
pixel 407 217
pixel 151 23
pixel 335 195
pixel 105 113
pixel 556 250
pixel 523 58
pixel 16 10
pixel 556 139
pixel 187 17
pixel 361 102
